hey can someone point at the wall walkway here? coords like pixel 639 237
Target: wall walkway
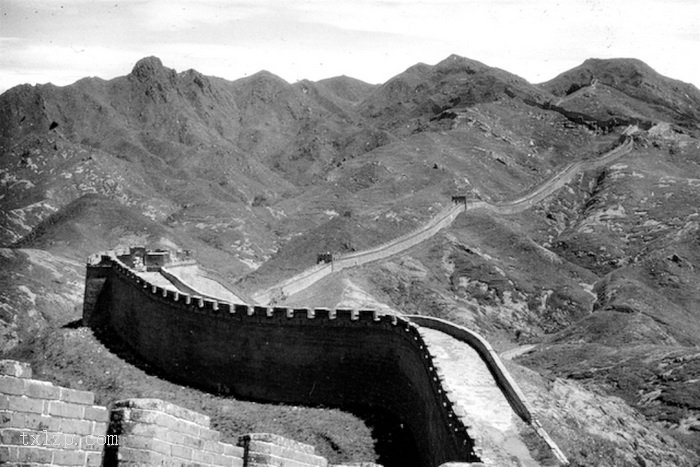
pixel 340 358
pixel 443 219
pixel 350 359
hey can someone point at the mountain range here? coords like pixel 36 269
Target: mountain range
pixel 591 295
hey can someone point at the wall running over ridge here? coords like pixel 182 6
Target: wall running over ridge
pixel 354 360
pixel 309 276
pixel 443 219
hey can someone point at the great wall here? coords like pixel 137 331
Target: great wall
pixel 350 359
pixel 443 219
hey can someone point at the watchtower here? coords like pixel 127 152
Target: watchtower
pixel 326 257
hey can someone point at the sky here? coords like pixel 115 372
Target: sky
pixel 61 41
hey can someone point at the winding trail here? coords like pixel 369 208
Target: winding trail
pixel 443 219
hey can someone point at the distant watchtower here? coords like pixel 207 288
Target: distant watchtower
pixel 326 257
pixel 459 199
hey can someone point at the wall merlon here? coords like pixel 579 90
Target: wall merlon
pixel 302 321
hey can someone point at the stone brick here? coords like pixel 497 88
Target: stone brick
pixel 25 404
pixel 142 442
pixel 11 385
pixel 13 436
pixel 93 459
pixel 232 461
pixel 231 450
pixel 31 421
pixel 68 458
pixel 42 390
pixel 209 434
pixel 65 409
pixel 174 437
pixel 291 454
pixel 138 456
pixel 78 427
pixel 5 456
pixel 99 428
pixel 142 416
pixel 181 451
pixel 16 369
pixel 278 440
pixel 186 427
pixel 203 457
pixel 213 446
pixel 94 443
pixel 142 429
pixel 97 413
pixel 34 455
pixel 4 402
pixel 255 459
pixel 69 441
pixel 192 441
pixel 78 397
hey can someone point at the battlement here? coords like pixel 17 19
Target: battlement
pixel 345 358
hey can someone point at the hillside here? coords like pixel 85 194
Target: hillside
pixel 592 291
pixel 665 98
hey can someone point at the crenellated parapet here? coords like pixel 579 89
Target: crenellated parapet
pixel 351 359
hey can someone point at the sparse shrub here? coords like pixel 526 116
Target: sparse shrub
pixel 259 200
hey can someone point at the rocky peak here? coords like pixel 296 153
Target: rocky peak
pixel 152 69
pixel 455 64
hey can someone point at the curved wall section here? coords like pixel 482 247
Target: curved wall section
pixel 354 360
pixel 505 382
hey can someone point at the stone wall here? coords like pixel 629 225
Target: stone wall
pixel 505 382
pixel 315 273
pixel 43 424
pixel 443 219
pixel 350 359
pixel 154 432
pixel 46 425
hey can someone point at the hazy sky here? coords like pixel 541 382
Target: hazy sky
pixel 61 41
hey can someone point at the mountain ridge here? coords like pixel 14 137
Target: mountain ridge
pixel 257 175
